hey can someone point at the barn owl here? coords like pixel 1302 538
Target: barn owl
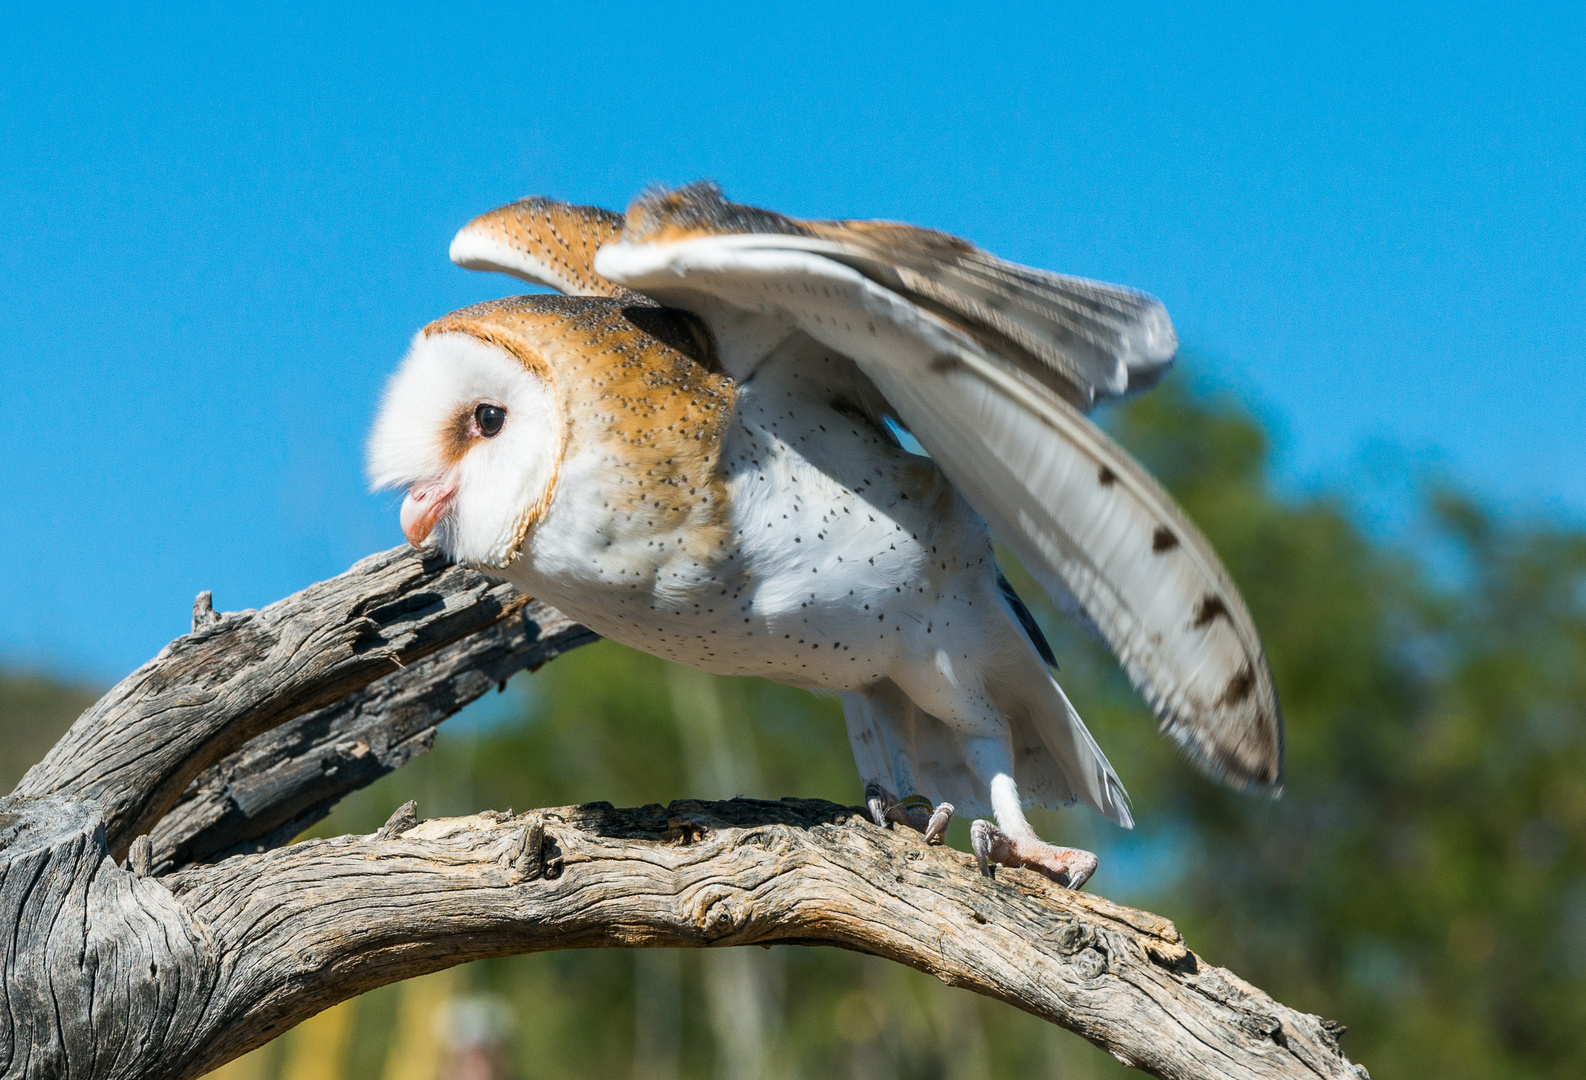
pixel 697 452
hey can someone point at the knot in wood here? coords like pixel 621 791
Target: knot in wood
pixel 1174 956
pixel 401 820
pixel 1090 962
pixel 525 854
pixel 720 911
pixel 204 613
pixel 773 840
pixel 1263 1026
pixel 140 857
pixel 1072 936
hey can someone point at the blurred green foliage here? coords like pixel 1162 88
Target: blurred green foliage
pixel 1422 879
pixel 34 711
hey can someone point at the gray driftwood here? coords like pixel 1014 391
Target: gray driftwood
pixel 156 923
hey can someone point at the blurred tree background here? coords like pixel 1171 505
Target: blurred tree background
pixel 1422 879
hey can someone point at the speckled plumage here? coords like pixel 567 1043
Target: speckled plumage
pixel 823 539
pixel 639 411
pixel 715 482
pixel 557 239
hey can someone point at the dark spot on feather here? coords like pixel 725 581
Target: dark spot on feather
pixel 1239 687
pixel 1210 607
pixel 1163 540
pixel 1106 478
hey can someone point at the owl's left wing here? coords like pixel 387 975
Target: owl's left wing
pixel 990 365
pixel 542 241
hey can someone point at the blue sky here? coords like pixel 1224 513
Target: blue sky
pixel 222 226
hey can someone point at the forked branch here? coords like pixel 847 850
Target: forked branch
pixel 174 963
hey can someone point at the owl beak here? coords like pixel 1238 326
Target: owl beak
pixel 425 505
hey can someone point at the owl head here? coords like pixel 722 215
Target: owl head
pixel 470 426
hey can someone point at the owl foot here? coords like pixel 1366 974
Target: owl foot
pixel 1069 867
pixel 915 811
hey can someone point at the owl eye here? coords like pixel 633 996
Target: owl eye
pixel 490 418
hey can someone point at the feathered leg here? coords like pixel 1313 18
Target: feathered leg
pixel 881 731
pixel 1011 841
pixel 959 698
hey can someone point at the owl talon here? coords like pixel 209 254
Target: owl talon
pixel 878 800
pixel 915 811
pixel 1069 867
pixel 937 826
pixel 990 845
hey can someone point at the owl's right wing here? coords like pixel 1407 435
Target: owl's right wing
pixel 990 366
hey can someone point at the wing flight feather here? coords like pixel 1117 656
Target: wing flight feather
pixel 1100 340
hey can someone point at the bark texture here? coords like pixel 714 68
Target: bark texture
pixel 214 935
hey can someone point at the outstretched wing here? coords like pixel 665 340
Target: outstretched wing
pixel 542 241
pixel 990 365
pixel 1082 339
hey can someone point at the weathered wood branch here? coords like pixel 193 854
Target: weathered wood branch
pixel 112 971
pixel 247 672
pixel 285 780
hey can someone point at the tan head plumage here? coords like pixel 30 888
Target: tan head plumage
pixel 570 374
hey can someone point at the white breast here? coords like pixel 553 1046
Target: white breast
pixel 841 546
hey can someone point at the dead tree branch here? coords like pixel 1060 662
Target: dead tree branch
pixel 240 733
pixel 285 780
